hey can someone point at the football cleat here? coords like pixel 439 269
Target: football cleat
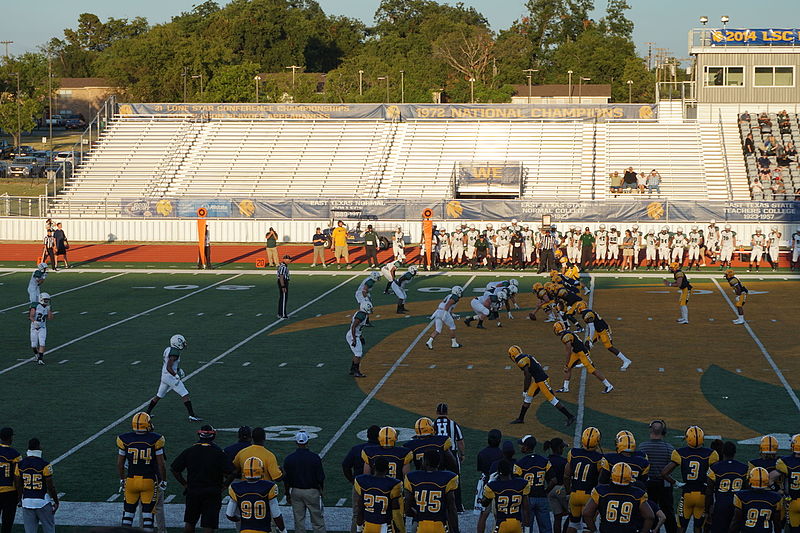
pixel 517 421
pixel 468 321
pixel 625 364
pixel 195 419
pixel 607 389
pixel 429 344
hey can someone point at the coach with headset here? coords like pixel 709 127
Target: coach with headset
pixel 659 453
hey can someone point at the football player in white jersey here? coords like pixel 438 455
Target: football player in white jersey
pixel 650 242
pixel 399 245
pixel 444 316
pixel 796 250
pixel 355 337
pixel 485 306
pixel 601 246
pixel 528 246
pixel 172 377
pixel 573 245
pixel 36 282
pixel 637 245
pixel 399 288
pixel 457 246
pixel 503 240
pixel 491 237
pixel 757 241
pixel 614 239
pixel 774 247
pixel 727 243
pixel 472 236
pixel 364 290
pixel 445 250
pixel 664 239
pixel 389 271
pixel 39 313
pixel 710 246
pixel 679 242
pixel 695 245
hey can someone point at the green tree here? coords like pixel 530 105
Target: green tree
pixel 29 109
pixel 616 22
pixel 552 23
pixel 233 83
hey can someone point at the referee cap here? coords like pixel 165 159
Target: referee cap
pixel 301 437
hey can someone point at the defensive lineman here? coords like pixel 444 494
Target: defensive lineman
pixel 355 338
pixel 172 377
pixel 399 288
pixel 36 282
pixel 444 315
pixel 39 314
pixel 365 288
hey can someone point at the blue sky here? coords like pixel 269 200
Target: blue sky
pixel 665 23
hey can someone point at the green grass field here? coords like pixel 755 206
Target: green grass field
pixel 245 367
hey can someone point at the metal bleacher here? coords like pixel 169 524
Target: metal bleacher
pixel 790 174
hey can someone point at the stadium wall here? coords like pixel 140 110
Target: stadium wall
pixel 253 231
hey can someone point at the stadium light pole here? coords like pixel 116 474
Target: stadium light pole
pixel 294 68
pixel 725 19
pixel 472 90
pixel 19 116
pixel 630 91
pixel 402 86
pixel 569 72
pixel 387 85
pixel 194 77
pixel 184 74
pixel 530 72
pixel 360 83
pixel 580 87
pixel 258 82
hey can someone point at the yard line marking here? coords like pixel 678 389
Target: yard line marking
pixel 142 287
pixel 99 362
pixel 200 314
pixel 63 361
pixel 764 351
pixel 68 291
pixel 259 314
pixel 341 502
pixel 171 313
pixel 169 498
pixel 282 365
pixel 582 387
pixel 508 367
pixel 124 320
pixel 135 363
pixel 469 367
pixel 246 363
pixel 112 313
pixel 200 369
pixel 229 314
pixel 7 274
pixel 378 386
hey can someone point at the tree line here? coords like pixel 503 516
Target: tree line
pixel 213 54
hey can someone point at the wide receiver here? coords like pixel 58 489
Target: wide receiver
pixel 172 377
pixel 444 316
pixel 39 314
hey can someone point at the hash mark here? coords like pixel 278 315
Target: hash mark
pixel 660 369
pixel 246 363
pixel 469 367
pixel 84 312
pixel 508 368
pixel 63 361
pixel 738 370
pixel 171 313
pixel 774 320
pixel 318 315
pixel 282 365
pixel 649 318
pixel 112 313
pixel 61 495
pixel 200 314
pixel 135 363
pixel 259 314
pixel 432 366
pixel 700 370
pixel 229 314
pixel 320 365
pixel 341 502
pixel 99 362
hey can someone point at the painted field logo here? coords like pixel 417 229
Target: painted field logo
pixel 655 210
pixel 454 209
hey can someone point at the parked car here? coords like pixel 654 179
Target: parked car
pixel 26 167
pixel 5 149
pixel 74 123
pixel 22 151
pixel 55 120
pixel 72 158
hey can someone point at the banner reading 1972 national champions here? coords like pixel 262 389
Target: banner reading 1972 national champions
pixel 466 210
pixel 395 112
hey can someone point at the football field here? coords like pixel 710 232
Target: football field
pixel 244 366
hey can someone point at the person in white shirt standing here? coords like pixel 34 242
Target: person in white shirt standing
pixel 503 239
pixel 573 239
pixel 727 243
pixel 637 245
pixel 472 236
pixel 40 312
pixel 695 245
pixel 444 316
pixel 528 246
pixel 457 246
pixel 757 242
pixel 172 377
pixel 445 248
pixel 36 282
pixel 679 243
pixel 398 245
pixel 650 257
pixel 601 246
pixel 710 246
pixel 796 250
pixel 774 247
pixel 614 239
pixel 664 239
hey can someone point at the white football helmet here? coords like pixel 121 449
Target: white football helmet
pixel 512 289
pixel 602 227
pixel 502 294
pixel 665 228
pixel 680 229
pixel 44 298
pixel 366 306
pixel 758 230
pixel 458 290
pixel 178 342
pixel 513 220
pixel 727 226
pixel 774 228
pixel 635 227
pixel 488 226
pixel 412 270
pixel 513 283
pixel 41 266
pixel 374 276
pixel 695 228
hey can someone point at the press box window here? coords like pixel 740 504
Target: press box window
pixel 724 77
pixel 774 77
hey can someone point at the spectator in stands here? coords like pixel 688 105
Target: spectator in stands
pixel 319 242
pixel 764 123
pixel 641 182
pixel 764 173
pixel 339 245
pixel 762 150
pixel 272 247
pixel 778 188
pixel 756 187
pixel 616 183
pixel 629 179
pixel 763 161
pixel 771 145
pixel 791 150
pixel 627 250
pixel 749 144
pixel 654 182
pixel 781 157
pixel 783 122
pixel 744 118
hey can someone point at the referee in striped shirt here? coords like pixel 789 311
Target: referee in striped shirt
pixel 50 249
pixel 447 427
pixel 659 452
pixel 547 257
pixel 283 286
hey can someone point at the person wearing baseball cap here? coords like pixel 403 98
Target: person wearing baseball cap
pixel 206 467
pixel 304 479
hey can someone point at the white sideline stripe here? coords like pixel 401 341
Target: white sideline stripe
pixel 341 502
pixel 576 442
pixel 378 386
pixel 137 315
pixel 764 351
pixel 67 291
pixel 7 274
pixel 198 370
pixel 169 498
pixel 113 498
